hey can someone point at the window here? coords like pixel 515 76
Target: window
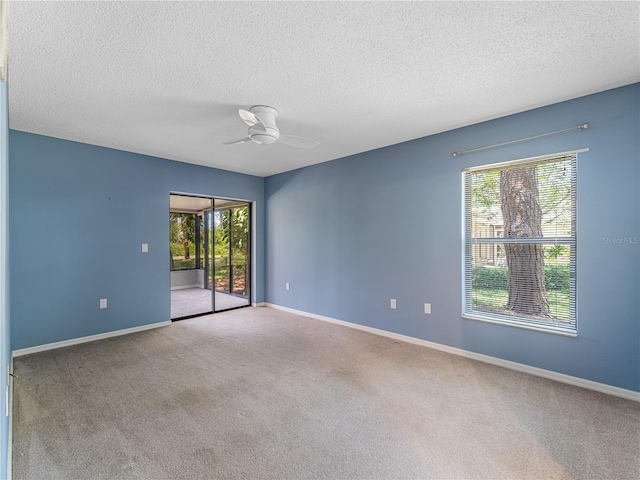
pixel 185 242
pixel 520 243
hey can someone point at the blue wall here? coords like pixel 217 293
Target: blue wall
pixel 79 214
pixel 351 234
pixel 5 344
pixel 348 235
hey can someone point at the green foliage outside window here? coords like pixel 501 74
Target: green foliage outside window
pixel 556 277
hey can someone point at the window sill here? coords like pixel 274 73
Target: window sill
pixel 537 328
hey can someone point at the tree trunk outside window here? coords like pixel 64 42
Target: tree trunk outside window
pixel 522 214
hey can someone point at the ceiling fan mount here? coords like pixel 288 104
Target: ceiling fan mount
pixel 263 130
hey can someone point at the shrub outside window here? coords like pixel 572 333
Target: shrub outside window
pixel 520 243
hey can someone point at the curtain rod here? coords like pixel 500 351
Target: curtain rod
pixel 581 127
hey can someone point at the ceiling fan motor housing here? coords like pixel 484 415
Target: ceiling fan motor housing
pixel 258 135
pixel 270 133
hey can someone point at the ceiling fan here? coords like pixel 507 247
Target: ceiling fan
pixel 263 130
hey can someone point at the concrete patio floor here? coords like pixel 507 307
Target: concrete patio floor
pixel 193 301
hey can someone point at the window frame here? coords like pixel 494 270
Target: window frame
pixel 467 311
pixel 196 252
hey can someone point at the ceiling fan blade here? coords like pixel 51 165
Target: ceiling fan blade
pixel 235 142
pixel 251 119
pixel 297 142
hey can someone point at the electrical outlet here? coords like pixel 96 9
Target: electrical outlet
pixel 427 308
pixel 393 303
pixel 286 286
pixel 103 303
pixel 145 248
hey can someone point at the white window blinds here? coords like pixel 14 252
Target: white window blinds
pixel 520 243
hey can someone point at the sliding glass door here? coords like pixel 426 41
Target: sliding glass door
pixel 209 255
pixel 232 233
pixel 190 255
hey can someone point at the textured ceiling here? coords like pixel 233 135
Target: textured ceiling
pixel 167 78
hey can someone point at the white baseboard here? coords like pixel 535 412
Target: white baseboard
pixel 90 338
pixel 520 367
pixel 259 304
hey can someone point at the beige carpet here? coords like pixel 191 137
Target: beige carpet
pixel 258 393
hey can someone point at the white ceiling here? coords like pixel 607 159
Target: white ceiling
pixel 190 204
pixel 167 78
